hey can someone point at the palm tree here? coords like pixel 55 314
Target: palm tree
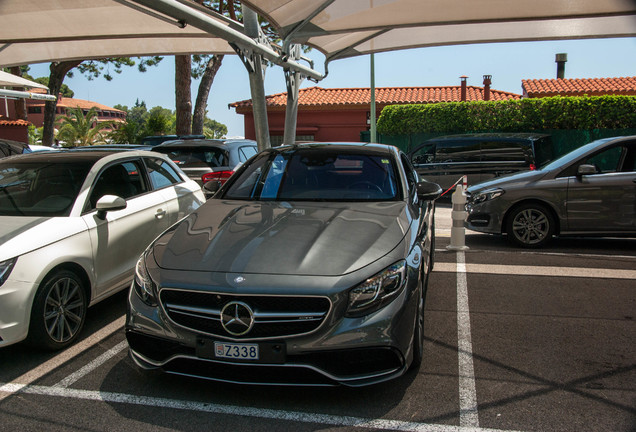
pixel 82 129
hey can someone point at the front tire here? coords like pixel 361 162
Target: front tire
pixel 530 226
pixel 59 311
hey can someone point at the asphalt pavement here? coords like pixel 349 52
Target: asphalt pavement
pixel 516 340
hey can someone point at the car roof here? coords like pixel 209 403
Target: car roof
pixel 220 143
pixel 367 148
pixel 492 136
pixel 80 154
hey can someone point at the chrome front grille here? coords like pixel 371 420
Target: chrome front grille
pixel 274 316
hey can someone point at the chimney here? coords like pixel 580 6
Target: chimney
pixel 487 82
pixel 463 91
pixel 560 60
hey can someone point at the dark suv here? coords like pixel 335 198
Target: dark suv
pixel 446 159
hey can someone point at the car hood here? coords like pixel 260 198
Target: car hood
pixel 509 180
pixel 23 234
pixel 325 239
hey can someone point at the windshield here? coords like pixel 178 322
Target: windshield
pixel 39 189
pixel 317 174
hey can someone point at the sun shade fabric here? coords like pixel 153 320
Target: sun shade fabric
pixel 10 80
pixel 36 31
pixel 345 28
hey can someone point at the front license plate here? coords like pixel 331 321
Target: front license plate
pixel 236 351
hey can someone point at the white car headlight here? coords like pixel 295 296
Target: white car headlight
pixel 5 269
pixel 486 195
pixel 377 291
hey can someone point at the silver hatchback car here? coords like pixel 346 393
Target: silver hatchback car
pixel 589 191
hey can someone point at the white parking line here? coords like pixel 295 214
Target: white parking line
pixel 64 356
pixel 293 416
pixel 468 415
pixel 584 272
pixel 81 373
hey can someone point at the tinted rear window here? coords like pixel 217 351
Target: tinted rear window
pixel 199 158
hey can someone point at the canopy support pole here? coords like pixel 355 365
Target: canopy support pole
pixel 293 79
pixel 255 66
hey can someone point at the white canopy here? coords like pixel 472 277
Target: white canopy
pixel 345 28
pixel 34 31
pixel 37 31
pixel 10 80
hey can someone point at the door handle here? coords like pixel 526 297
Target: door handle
pixel 160 213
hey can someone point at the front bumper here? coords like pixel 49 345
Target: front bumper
pixel 16 298
pixel 484 217
pixel 341 351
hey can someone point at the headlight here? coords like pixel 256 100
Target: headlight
pixel 377 291
pixel 486 195
pixel 5 269
pixel 143 284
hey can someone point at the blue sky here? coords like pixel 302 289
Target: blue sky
pixel 508 63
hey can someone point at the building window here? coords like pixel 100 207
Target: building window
pixel 276 140
pixel 35 110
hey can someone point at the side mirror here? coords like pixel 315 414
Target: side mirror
pixel 210 188
pixel 586 169
pixel 109 203
pixel 427 191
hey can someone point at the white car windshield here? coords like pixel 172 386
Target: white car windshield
pixel 40 189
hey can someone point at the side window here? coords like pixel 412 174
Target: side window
pixel 411 175
pixel 122 179
pixel 246 152
pixel 161 173
pixel 502 151
pixel 424 155
pixel 458 151
pixel 607 161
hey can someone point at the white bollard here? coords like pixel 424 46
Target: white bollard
pixel 458 214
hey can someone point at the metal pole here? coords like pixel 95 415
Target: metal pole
pixel 292 80
pixel 256 72
pixel 373 137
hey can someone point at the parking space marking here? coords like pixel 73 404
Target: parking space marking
pixel 584 272
pixel 293 416
pixel 468 414
pixel 76 376
pixel 63 357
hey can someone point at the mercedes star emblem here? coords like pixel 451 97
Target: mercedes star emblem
pixel 237 318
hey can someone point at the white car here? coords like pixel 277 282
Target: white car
pixel 72 226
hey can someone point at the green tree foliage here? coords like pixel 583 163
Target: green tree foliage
pixel 160 121
pixel 65 90
pixel 82 129
pixel 595 112
pixel 34 134
pixel 141 122
pixel 92 69
pixel 213 129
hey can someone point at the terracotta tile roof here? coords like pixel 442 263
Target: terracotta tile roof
pixel 579 86
pixel 84 104
pixel 77 103
pixel 321 97
pixel 13 122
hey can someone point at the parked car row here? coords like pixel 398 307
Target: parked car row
pixel 308 265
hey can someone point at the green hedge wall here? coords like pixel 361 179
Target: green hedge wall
pixel 553 113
